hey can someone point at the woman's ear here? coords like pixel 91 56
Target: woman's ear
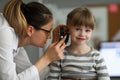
pixel 30 30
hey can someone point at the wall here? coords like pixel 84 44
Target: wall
pixel 76 3
pixel 2 2
pixel 114 20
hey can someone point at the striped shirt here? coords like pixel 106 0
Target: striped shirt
pixel 89 65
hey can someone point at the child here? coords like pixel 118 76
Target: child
pixel 80 61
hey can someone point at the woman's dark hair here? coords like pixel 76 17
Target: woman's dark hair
pixel 20 15
pixel 36 14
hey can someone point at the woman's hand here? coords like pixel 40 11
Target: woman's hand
pixel 52 53
pixel 55 50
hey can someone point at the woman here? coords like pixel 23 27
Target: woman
pixel 26 24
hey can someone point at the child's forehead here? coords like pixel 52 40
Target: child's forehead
pixel 82 26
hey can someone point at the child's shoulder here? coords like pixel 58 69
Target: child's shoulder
pixel 95 51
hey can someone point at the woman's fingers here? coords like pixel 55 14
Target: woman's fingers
pixel 60 43
pixel 54 43
pixel 55 50
pixel 63 46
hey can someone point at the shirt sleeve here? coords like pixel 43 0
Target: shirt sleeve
pixel 54 71
pixel 8 71
pixel 22 60
pixel 29 74
pixel 101 68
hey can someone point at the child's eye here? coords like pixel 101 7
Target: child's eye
pixel 77 29
pixel 87 30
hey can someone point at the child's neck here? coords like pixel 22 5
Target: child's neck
pixel 81 49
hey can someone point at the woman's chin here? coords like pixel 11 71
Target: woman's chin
pixel 41 46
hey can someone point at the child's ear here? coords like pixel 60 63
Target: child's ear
pixel 30 30
pixel 67 27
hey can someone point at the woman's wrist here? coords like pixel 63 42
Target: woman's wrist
pixel 43 62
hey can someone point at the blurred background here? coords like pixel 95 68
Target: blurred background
pixel 107 15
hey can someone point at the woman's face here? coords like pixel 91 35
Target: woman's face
pixel 39 37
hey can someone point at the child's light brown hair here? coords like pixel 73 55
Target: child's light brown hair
pixel 81 17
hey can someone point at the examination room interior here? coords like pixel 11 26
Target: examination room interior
pixel 106 34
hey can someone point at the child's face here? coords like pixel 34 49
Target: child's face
pixel 80 35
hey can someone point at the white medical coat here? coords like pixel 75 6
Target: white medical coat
pixel 14 62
